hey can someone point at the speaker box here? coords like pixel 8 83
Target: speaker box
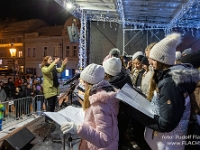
pixel 18 140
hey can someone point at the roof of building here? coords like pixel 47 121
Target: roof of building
pixel 50 31
pixel 17 27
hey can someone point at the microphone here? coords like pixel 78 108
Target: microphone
pixel 72 79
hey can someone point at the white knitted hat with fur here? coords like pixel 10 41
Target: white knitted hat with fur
pixel 164 51
pixel 112 66
pixel 93 74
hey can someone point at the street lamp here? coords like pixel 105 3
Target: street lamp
pixel 13 55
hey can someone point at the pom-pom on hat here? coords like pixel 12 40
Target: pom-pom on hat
pixel 136 54
pixel 93 74
pixel 115 52
pixel 164 51
pixel 112 66
pixel 178 55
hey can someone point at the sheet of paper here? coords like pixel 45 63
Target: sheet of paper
pixel 56 117
pixel 128 95
pixel 70 114
pixel 76 114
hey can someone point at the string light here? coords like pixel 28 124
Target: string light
pixel 185 20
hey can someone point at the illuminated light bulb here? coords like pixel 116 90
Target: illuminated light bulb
pixel 69 5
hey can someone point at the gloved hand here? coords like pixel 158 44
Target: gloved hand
pixel 69 127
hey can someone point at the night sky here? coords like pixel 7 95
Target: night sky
pixel 47 10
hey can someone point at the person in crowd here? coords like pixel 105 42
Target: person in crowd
pixel 29 91
pixel 169 90
pixel 18 81
pixel 178 57
pixel 127 63
pixel 29 94
pixel 24 86
pixel 50 81
pixel 138 74
pixel 146 77
pixel 137 71
pixel 19 103
pixel 147 52
pixel 148 49
pixel 187 51
pixel 99 129
pixel 2 109
pixel 10 89
pixel 29 80
pixel 3 95
pixel 3 85
pixel 118 78
pixel 194 125
pixel 3 98
pixel 114 52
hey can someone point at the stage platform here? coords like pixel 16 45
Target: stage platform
pixel 39 129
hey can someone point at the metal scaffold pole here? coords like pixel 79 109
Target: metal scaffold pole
pixel 82 42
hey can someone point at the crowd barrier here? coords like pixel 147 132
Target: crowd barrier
pixel 18 110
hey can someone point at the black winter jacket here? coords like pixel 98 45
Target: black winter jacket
pixel 172 84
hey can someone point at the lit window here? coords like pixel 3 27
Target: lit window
pixel 20 54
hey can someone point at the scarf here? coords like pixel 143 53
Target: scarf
pixel 135 76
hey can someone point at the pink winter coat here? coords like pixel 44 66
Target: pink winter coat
pixel 99 130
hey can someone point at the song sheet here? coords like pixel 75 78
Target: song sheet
pixel 130 96
pixel 70 114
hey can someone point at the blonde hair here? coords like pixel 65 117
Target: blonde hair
pixel 153 83
pixel 86 102
pixel 108 77
pixel 150 46
pixel 44 61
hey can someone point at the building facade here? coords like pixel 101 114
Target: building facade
pixel 34 40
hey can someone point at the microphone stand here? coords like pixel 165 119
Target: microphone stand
pixel 70 94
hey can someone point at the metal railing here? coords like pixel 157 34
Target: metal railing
pixel 18 110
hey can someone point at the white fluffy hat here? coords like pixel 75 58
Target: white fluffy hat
pixel 164 51
pixel 136 54
pixel 112 66
pixel 93 74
